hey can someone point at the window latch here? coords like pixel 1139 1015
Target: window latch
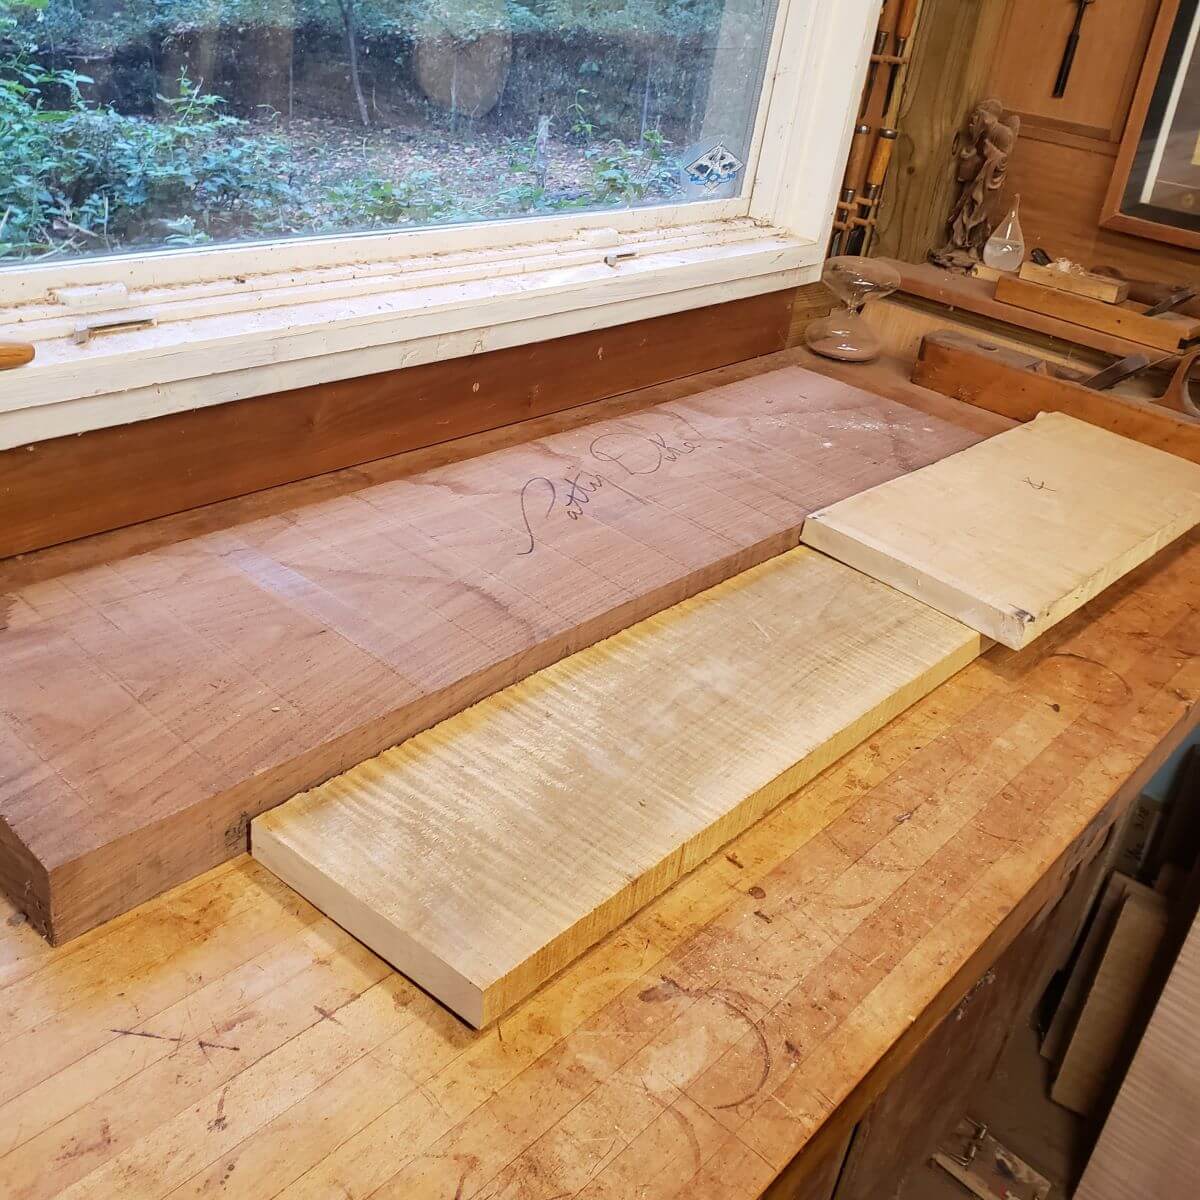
pixel 86 330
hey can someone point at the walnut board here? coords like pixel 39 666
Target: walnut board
pixel 485 854
pixel 1015 533
pixel 154 703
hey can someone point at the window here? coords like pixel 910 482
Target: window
pixel 202 200
pixel 138 125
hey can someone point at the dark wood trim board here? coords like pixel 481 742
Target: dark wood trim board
pixel 69 487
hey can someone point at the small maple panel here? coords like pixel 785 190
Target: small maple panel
pixel 153 704
pixel 486 853
pixel 1016 533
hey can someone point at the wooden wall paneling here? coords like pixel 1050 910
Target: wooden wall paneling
pixel 1150 1143
pixel 1111 47
pixel 69 487
pixel 951 58
pixel 155 702
pixel 1062 189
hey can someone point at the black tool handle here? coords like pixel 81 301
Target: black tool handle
pixel 1064 72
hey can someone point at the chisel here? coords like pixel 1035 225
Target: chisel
pixel 882 34
pixel 904 28
pixel 1068 60
pixel 856 164
pixel 880 161
pixel 15 354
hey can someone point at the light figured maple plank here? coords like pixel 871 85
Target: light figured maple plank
pixel 485 854
pixel 1015 533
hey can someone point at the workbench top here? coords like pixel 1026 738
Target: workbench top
pixel 226 1039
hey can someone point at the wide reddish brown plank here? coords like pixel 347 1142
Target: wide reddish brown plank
pixel 153 704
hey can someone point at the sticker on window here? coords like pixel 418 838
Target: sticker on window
pixel 714 168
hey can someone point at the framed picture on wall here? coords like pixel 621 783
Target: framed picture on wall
pixel 1155 188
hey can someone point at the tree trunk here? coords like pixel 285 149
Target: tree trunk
pixel 347 7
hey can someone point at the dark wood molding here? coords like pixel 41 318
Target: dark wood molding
pixel 70 487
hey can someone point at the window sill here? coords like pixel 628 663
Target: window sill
pixel 271 336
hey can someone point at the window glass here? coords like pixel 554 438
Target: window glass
pixel 130 125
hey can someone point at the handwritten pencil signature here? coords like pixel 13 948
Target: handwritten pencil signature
pixel 630 453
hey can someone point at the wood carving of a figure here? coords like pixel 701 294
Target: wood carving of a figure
pixel 982 151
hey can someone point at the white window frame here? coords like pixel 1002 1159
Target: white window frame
pixel 244 320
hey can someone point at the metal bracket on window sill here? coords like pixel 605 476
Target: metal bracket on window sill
pixel 86 330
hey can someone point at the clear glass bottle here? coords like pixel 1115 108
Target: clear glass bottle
pixel 1005 249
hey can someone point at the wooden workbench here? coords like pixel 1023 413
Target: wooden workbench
pixel 226 1039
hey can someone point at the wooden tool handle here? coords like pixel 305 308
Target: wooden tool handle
pixel 1178 397
pixel 882 158
pixel 906 20
pixel 15 354
pixel 856 165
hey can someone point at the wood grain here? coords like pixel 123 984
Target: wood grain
pixel 1017 532
pixel 73 486
pixel 485 854
pixel 1083 283
pixel 951 55
pixel 692 1055
pixel 954 366
pixel 1168 332
pixel 1026 59
pixel 978 296
pixel 1148 1145
pixel 1108 1019
pixel 161 700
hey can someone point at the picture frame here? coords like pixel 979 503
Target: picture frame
pixel 1155 187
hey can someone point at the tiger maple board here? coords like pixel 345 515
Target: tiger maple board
pixel 488 852
pixel 151 704
pixel 1015 533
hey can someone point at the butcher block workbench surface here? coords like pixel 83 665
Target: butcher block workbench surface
pixel 226 1039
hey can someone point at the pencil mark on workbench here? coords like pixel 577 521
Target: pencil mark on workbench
pixel 216 1046
pixel 1040 486
pixel 325 1014
pixel 737 862
pixel 78 1148
pixel 690 1134
pixel 1093 662
pixel 667 990
pixel 733 1003
pixel 764 1049
pixel 762 916
pixel 158 1037
pixel 220 1120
